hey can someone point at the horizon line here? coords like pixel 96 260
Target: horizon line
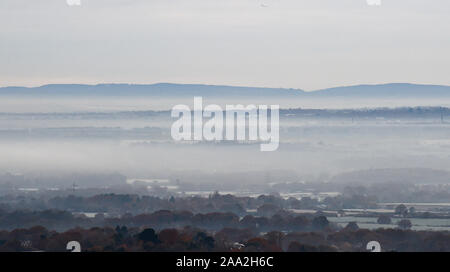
pixel 225 85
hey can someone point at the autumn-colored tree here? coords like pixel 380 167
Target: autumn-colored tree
pixel 168 236
pixel 148 235
pixel 258 244
pixel 297 247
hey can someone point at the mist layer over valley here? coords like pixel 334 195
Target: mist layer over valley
pixel 54 136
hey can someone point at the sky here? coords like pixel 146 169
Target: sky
pixel 306 44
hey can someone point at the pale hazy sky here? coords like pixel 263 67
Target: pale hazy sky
pixel 307 44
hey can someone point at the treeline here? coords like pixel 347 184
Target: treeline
pixel 122 238
pixel 63 220
pixel 401 112
pixel 265 205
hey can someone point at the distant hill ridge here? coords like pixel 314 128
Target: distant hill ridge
pixel 391 89
pixel 397 90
